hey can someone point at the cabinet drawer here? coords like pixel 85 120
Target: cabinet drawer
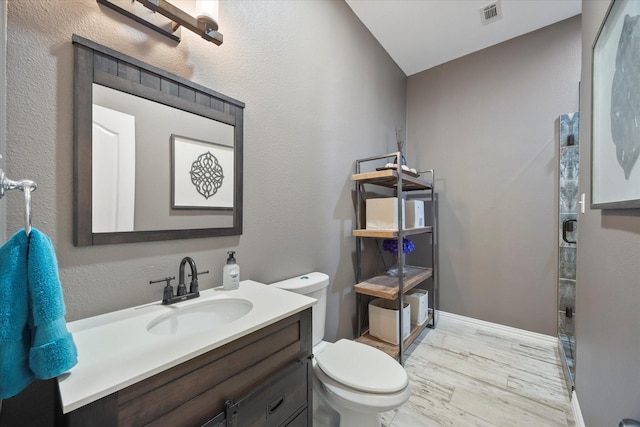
pixel 218 421
pixel 301 420
pixel 275 401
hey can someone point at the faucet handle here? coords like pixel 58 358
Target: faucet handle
pixel 200 273
pixel 168 289
pixel 193 286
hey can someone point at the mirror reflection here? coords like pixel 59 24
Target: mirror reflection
pixel 157 157
pixel 114 170
pixel 134 149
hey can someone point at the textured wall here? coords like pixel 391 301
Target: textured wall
pixel 488 124
pixel 319 93
pixel 608 293
pixel 3 105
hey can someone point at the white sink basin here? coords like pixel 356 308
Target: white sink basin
pixel 137 352
pixel 200 317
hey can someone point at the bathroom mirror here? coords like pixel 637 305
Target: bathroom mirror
pixel 157 157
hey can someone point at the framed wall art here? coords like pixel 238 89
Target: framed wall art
pixel 202 174
pixel 615 133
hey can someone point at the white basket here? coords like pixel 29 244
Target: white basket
pixel 414 214
pixel 383 320
pixel 418 299
pixel 382 213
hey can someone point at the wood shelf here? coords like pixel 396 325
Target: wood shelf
pixel 393 350
pixel 385 286
pixel 389 178
pixel 391 234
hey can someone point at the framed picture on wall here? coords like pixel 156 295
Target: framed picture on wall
pixel 201 174
pixel 615 133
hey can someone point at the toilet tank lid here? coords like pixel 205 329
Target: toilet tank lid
pixel 305 283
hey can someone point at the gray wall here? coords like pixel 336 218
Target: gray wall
pixel 608 319
pixel 487 123
pixel 319 93
pixel 3 107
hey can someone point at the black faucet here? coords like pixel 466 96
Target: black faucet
pixel 193 288
pixel 182 294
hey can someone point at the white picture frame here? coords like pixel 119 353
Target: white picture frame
pixel 202 174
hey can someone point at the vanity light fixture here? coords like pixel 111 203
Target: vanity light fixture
pixel 207 13
pixel 205 24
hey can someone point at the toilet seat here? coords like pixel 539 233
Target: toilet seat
pixel 360 400
pixel 362 368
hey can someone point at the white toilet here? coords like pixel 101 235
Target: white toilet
pixel 353 382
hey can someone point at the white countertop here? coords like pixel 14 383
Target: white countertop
pixel 115 350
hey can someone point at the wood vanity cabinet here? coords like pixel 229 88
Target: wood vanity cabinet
pixel 262 379
pixel 266 375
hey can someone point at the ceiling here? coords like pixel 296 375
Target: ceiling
pixel 421 34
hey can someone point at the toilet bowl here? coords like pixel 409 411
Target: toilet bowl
pixel 353 383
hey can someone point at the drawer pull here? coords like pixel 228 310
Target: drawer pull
pixel 271 409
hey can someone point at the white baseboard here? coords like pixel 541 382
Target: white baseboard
pixel 548 339
pixel 577 413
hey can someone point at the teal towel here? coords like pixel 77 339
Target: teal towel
pixel 14 307
pixel 34 340
pixel 53 351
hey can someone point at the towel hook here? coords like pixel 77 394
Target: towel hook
pixel 27 186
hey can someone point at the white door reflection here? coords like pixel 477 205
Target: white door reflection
pixel 113 170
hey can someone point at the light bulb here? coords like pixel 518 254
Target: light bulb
pixel 207 12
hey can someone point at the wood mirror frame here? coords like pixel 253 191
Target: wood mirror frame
pixel 104 66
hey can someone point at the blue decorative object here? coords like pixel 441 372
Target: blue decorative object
pixel 400 141
pixel 403 160
pixel 391 245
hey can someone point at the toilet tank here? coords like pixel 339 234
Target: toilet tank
pixel 313 285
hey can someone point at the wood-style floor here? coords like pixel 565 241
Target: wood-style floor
pixel 465 374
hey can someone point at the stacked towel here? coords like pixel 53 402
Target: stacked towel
pixel 34 340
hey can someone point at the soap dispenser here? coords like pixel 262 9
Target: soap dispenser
pixel 231 273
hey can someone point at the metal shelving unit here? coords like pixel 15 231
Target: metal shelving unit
pixel 383 285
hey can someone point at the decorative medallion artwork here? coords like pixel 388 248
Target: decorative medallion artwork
pixel 616 109
pixel 625 96
pixel 202 174
pixel 206 174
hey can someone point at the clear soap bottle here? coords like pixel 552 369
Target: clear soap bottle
pixel 231 273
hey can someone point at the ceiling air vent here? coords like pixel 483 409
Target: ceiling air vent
pixel 491 12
